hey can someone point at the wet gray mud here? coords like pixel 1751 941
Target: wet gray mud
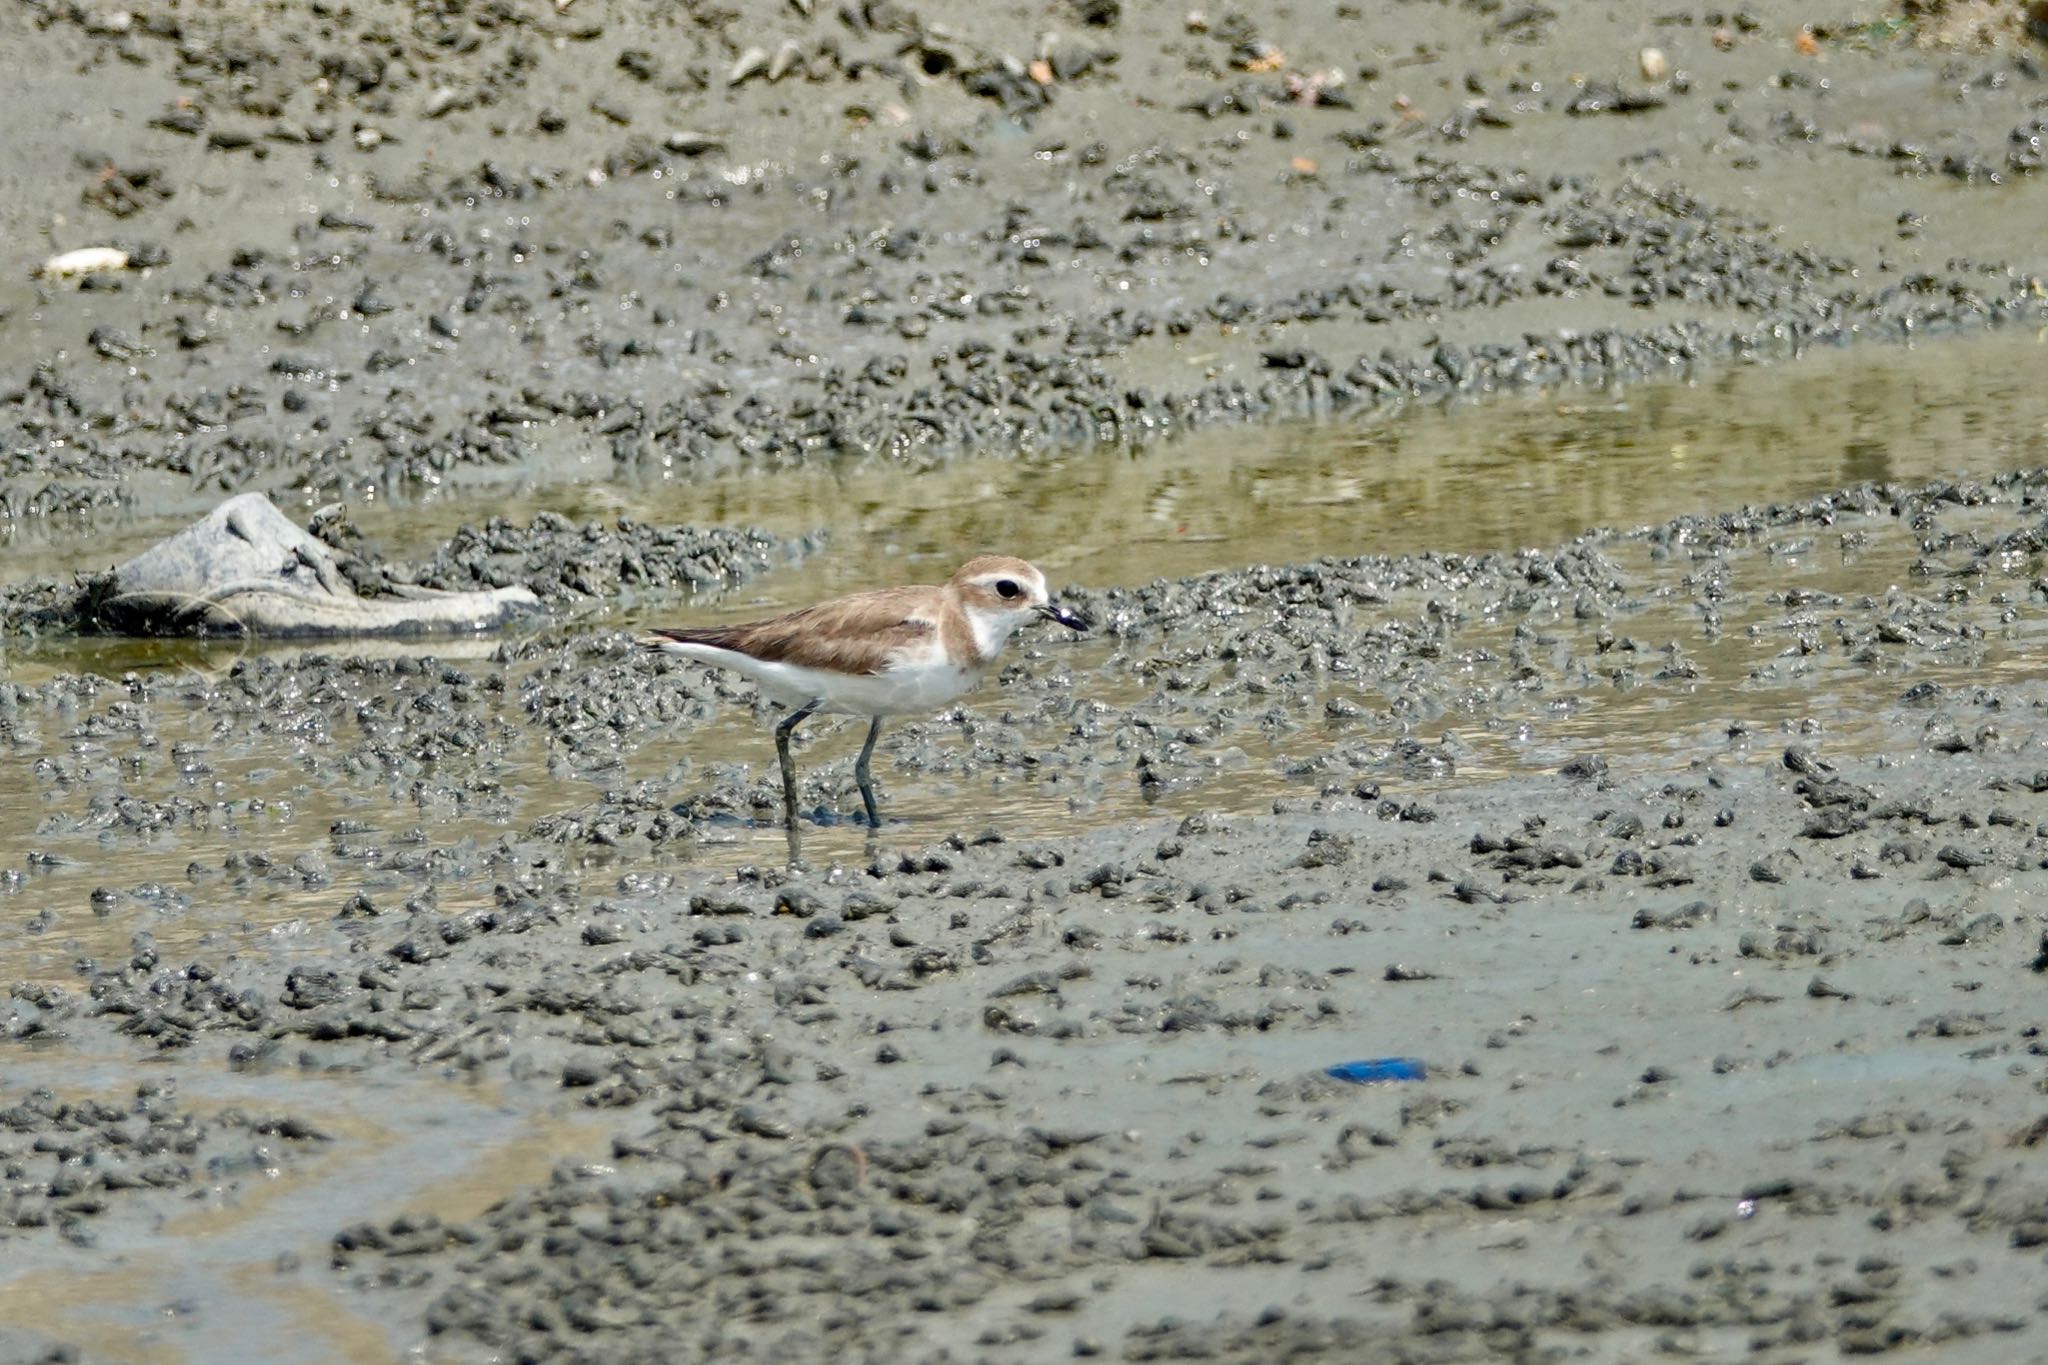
pixel 460 1000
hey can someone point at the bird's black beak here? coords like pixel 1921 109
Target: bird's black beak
pixel 1053 611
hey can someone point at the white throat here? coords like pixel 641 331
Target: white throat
pixel 991 630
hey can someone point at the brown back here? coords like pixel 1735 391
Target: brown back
pixel 857 634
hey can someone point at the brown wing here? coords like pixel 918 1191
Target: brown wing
pixel 857 634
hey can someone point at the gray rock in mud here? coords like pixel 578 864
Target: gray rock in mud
pixel 245 568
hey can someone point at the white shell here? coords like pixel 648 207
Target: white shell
pixel 86 260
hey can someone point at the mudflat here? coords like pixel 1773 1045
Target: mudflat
pixel 1560 494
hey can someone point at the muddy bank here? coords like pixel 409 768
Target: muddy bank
pixel 1724 1003
pixel 384 255
pixel 368 1001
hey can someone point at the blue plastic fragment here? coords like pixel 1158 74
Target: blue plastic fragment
pixel 1379 1069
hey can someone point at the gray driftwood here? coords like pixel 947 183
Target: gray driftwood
pixel 245 568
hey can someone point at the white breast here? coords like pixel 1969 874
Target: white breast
pixel 916 682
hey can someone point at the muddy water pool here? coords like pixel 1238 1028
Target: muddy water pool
pixel 1512 472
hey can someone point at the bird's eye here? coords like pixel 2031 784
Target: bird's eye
pixel 1006 588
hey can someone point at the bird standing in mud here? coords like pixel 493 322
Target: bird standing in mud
pixel 889 652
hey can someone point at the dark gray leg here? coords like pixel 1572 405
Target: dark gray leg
pixel 861 776
pixel 789 764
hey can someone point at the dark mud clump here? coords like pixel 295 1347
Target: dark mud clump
pixel 566 563
pixel 73 1166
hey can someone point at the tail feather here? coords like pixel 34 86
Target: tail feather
pixel 718 637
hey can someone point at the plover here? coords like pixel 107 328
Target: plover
pixel 890 652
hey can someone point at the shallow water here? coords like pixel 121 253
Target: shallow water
pixel 1508 474
pixel 132 1293
pixel 1523 472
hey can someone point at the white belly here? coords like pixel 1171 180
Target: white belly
pixel 910 688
